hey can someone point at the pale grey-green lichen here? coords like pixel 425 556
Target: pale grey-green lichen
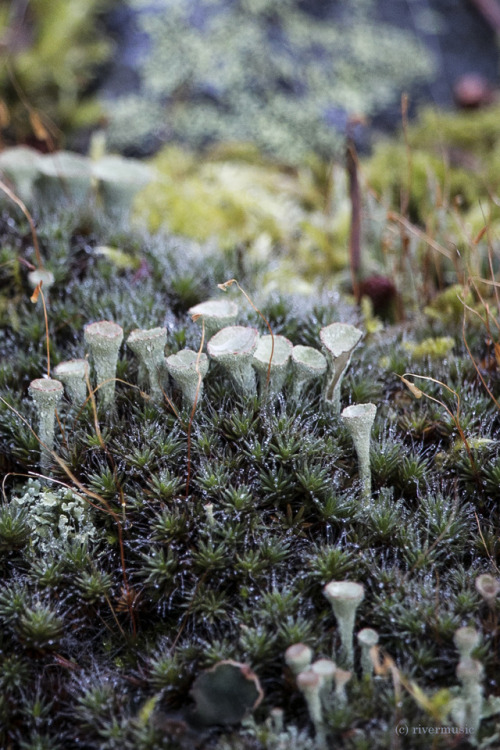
pixel 56 517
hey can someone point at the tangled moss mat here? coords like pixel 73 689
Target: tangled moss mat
pixel 104 626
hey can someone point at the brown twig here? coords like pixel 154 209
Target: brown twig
pixel 355 223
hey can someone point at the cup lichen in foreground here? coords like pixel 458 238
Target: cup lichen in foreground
pixel 73 374
pixel 104 339
pixel 309 684
pixel 186 367
pixel 308 364
pixel 339 341
pixel 344 598
pixel 46 393
pixel 149 347
pixel 467 708
pixel 359 419
pixel 233 348
pixel 298 657
pixel 367 638
pixel 216 314
pixel 272 356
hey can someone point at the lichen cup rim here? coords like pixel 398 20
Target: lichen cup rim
pixel 339 338
pixel 215 308
pixel 119 169
pixel 309 357
pixel 143 334
pixel 344 590
pixel 19 157
pixel 64 164
pixel 283 348
pixel 233 340
pixel 46 385
pixel 71 366
pixel 359 411
pixel 104 328
pixel 185 359
pixel 368 637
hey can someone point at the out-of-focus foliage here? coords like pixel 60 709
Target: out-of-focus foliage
pixel 293 221
pixel 266 72
pixel 455 157
pixel 51 50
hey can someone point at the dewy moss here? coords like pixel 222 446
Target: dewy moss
pixel 73 374
pixel 359 420
pixel 46 393
pixel 339 341
pixel 104 339
pixel 216 313
pixel 278 363
pixel 149 348
pixel 184 368
pixel 233 348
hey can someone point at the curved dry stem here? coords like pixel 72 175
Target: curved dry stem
pixel 455 417
pixel 25 211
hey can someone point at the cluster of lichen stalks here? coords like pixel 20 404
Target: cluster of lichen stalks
pixel 241 352
pixel 315 679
